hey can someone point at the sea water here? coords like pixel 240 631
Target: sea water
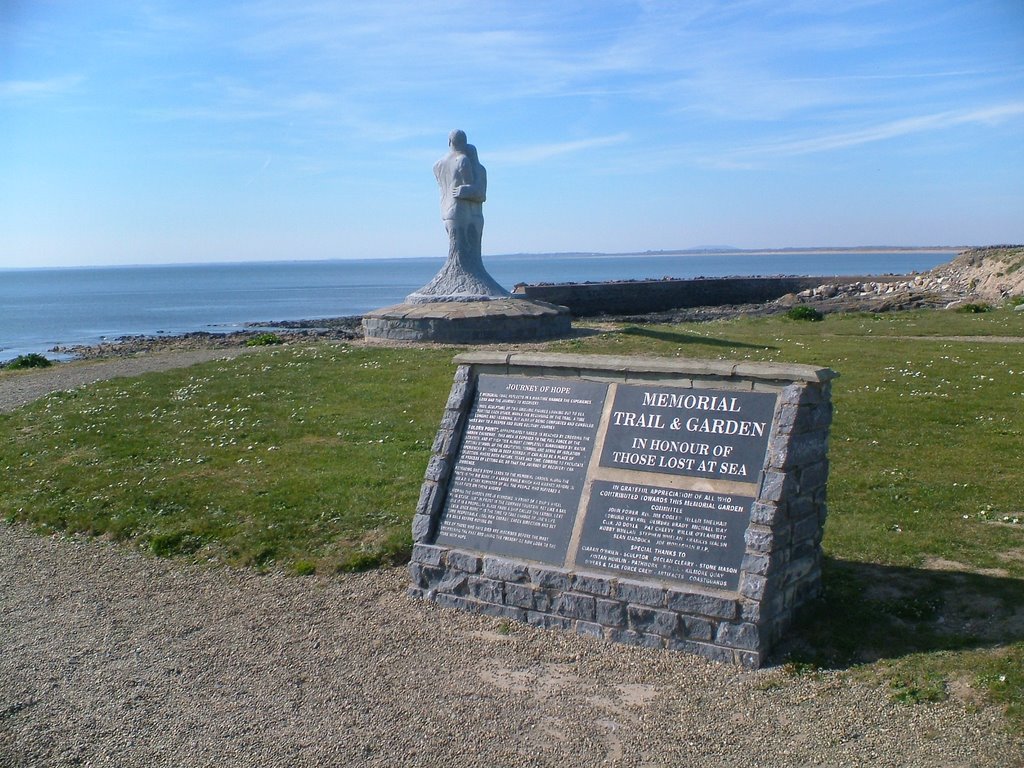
pixel 44 308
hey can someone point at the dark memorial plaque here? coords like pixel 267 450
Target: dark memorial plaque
pixel 718 434
pixel 666 504
pixel 520 471
pixel 665 533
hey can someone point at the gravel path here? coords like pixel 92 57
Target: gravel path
pixel 114 658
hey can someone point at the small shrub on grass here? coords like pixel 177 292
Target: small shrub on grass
pixel 805 313
pixel 264 340
pixel 974 308
pixel 1016 301
pixel 33 360
pixel 262 556
pixel 918 689
pixel 799 667
pixel 360 561
pixel 174 543
pixel 395 549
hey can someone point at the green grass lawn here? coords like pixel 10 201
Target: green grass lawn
pixel 302 457
pixel 310 458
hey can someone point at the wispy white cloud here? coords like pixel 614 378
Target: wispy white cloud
pixel 341 76
pixel 210 114
pixel 893 129
pixel 39 88
pixel 763 60
pixel 536 153
pixel 407 62
pixel 228 102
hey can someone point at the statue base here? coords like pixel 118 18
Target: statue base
pixel 469 322
pixel 430 298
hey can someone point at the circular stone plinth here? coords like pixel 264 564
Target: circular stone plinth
pixel 469 322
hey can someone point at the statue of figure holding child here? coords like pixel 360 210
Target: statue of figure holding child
pixel 462 181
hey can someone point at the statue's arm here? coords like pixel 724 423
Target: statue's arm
pixel 475 192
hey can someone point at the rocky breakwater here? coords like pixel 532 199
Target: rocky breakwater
pixel 875 295
pixel 994 274
pixel 990 275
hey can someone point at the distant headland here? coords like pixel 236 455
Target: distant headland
pixel 728 250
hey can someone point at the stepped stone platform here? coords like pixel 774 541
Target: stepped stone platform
pixel 469 322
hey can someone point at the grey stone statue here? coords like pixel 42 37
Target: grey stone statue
pixel 463 184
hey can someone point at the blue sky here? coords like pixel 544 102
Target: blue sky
pixel 150 131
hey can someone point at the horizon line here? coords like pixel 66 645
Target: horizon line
pixel 692 251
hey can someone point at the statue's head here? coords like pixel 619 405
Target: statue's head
pixel 457 140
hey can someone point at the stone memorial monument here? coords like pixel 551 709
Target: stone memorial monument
pixel 669 503
pixel 463 184
pixel 463 303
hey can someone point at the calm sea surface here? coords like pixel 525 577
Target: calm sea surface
pixel 42 308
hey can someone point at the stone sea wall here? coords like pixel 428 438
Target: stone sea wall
pixel 644 296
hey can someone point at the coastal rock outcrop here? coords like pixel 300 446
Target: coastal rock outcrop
pixel 992 274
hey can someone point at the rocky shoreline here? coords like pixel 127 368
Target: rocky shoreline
pixel 332 329
pixel 881 296
pixel 982 275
